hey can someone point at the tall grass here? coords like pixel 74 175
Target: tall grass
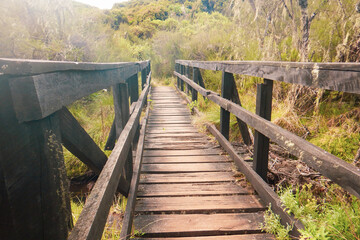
pixel 95 113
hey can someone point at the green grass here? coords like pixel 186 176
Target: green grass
pixel 95 113
pixel 331 215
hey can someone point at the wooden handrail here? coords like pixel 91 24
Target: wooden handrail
pixel 341 172
pixel 40 88
pixel 343 77
pixel 93 217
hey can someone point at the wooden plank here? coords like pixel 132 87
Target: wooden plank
pixel 195 205
pixel 190 189
pixel 33 175
pixel 220 237
pixel 127 221
pixel 168 130
pixel 176 136
pixel 266 193
pixel 177 141
pixel 171 122
pixel 208 177
pixel 93 217
pixel 261 143
pixel 169 146
pixel 186 167
pixel 191 225
pixel 186 159
pixel 200 152
pixel 160 117
pixel 331 76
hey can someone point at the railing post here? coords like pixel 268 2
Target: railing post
pixel 34 200
pixel 226 92
pixel 177 69
pixel 187 74
pixel 143 78
pixel 194 94
pixel 261 143
pixel 181 81
pixel 133 84
pixel 122 114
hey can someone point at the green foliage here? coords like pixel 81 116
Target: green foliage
pixel 272 225
pixel 334 215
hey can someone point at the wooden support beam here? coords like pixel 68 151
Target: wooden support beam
pixel 122 114
pixel 143 78
pixel 182 73
pixel 194 94
pixel 244 130
pixel 226 92
pixel 35 195
pixel 177 66
pixel 187 74
pixel 133 84
pixel 92 219
pixel 261 142
pixel 79 143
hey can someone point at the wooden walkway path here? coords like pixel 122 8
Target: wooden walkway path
pixel 187 189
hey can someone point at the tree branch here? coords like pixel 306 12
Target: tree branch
pixel 287 9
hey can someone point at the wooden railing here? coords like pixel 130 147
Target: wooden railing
pixel 35 123
pixel 331 76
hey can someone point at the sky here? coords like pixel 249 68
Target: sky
pixel 102 4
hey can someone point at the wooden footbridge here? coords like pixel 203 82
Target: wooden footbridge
pixel 180 184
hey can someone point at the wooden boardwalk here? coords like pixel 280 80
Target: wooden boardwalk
pixel 187 189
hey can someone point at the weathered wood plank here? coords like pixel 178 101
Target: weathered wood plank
pixel 79 143
pixel 200 152
pixel 331 76
pixel 220 237
pixel 180 146
pixel 93 217
pixel 198 224
pixel 178 136
pixel 194 205
pixel 190 189
pixel 186 159
pixel 208 177
pixel 186 167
